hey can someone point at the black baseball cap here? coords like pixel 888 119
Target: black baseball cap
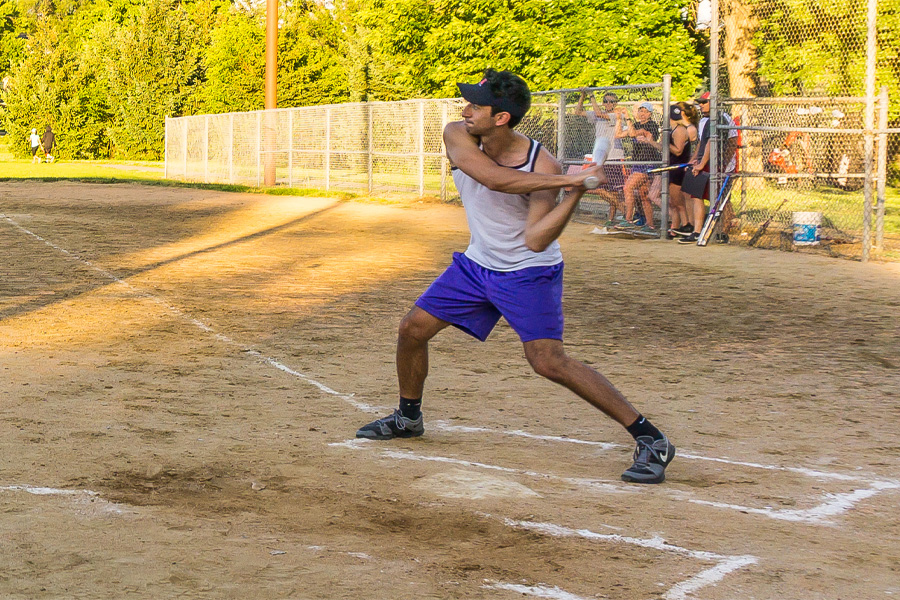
pixel 675 112
pixel 480 93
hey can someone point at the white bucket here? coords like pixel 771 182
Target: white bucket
pixel 806 228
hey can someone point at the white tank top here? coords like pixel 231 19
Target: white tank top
pixel 497 224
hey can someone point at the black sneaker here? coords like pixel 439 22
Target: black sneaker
pixel 650 460
pixel 691 239
pixel 391 426
pixel 684 230
pixel 721 238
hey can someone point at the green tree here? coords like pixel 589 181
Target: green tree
pixel 423 47
pixel 12 42
pixel 50 87
pixel 152 67
pixel 310 65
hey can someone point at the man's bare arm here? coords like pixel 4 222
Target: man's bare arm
pixel 546 218
pixel 464 153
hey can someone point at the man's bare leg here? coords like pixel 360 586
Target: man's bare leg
pixel 549 359
pixel 416 329
pixel 653 453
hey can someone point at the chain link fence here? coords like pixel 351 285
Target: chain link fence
pixel 379 147
pixel 813 90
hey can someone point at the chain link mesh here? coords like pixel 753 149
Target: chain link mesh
pixel 386 147
pixel 815 146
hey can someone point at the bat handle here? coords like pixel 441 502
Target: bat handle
pixel 591 182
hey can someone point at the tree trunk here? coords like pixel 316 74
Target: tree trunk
pixel 741 23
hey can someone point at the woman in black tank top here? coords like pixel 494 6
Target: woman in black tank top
pixel 683 118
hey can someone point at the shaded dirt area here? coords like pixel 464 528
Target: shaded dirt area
pixel 183 372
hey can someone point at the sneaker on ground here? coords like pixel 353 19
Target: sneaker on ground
pixel 646 231
pixel 651 457
pixel 721 238
pixel 392 426
pixel 610 224
pixel 691 239
pixel 684 230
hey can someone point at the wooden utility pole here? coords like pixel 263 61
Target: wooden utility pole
pixel 271 88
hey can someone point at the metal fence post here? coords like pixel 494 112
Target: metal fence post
pixel 231 148
pixel 664 153
pixel 421 147
pixel 327 148
pixel 166 151
pixel 291 147
pixel 258 147
pixel 561 129
pixel 371 144
pixel 205 148
pixel 443 153
pixel 882 167
pixel 713 103
pixel 185 147
pixel 869 127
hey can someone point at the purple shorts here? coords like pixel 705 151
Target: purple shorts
pixel 474 298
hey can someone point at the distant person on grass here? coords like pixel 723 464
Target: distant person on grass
pixel 35 141
pixel 47 142
pixel 512 268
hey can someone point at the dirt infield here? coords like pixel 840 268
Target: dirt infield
pixel 183 372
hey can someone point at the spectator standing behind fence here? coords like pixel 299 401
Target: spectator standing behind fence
pixel 48 141
pixel 696 208
pixel 683 119
pixel 606 118
pixel 644 133
pixel 35 144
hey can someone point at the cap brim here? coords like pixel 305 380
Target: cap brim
pixel 476 94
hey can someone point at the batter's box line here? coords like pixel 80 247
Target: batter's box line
pixel 724 564
pixel 446 426
pixel 834 504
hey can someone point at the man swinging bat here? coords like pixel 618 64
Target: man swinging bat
pixel 512 268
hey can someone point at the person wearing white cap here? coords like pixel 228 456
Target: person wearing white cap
pixel 644 132
pixel 35 140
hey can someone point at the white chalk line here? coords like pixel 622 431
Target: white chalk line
pixel 538 591
pixel 724 564
pixel 835 504
pixel 605 486
pixel 194 321
pixel 80 496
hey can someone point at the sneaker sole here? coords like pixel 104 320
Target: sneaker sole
pixel 371 435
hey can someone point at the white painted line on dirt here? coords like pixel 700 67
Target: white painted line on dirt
pixel 834 505
pixel 196 322
pixel 83 497
pixel 46 491
pixel 445 426
pixel 602 485
pixel 538 591
pixel 725 564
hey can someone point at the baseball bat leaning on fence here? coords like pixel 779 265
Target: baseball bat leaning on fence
pixel 669 168
pixel 762 228
pixel 715 211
